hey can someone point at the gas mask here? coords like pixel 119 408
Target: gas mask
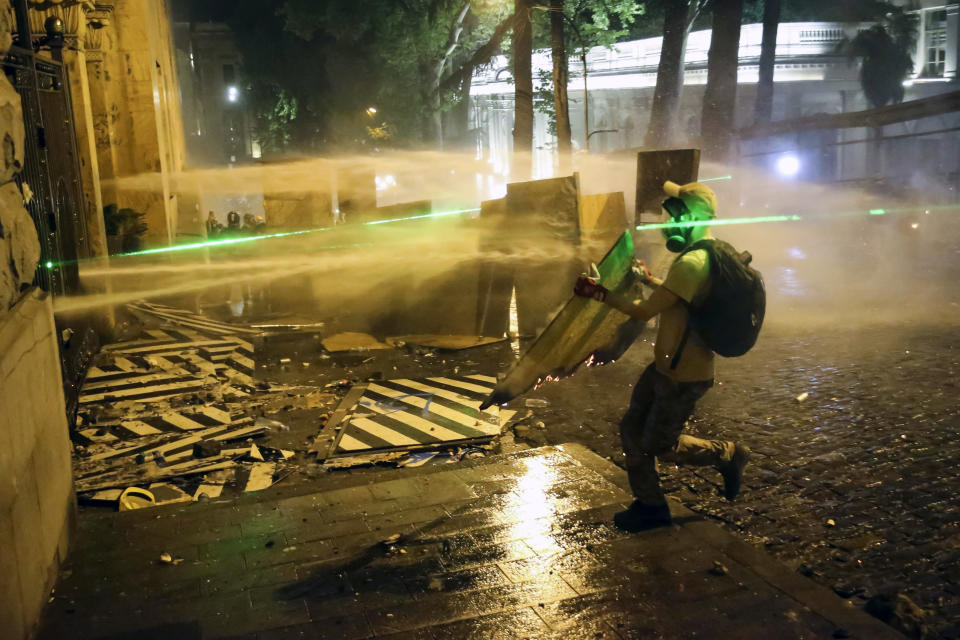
pixel 678 237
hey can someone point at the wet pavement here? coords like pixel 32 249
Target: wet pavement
pixel 852 486
pixel 513 546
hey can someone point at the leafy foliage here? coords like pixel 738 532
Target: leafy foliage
pixel 885 53
pixel 591 23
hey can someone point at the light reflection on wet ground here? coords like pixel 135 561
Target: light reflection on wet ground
pixel 517 546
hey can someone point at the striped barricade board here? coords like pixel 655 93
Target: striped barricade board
pixel 189 319
pixel 164 342
pixel 141 386
pixel 183 421
pixel 416 413
pixel 166 455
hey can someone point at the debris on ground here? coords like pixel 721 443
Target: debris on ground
pixel 165 493
pixel 412 413
pixel 166 558
pixel 901 613
pixel 174 403
pixel 536 402
pixel 135 498
pixel 803 396
pixel 207 492
pixel 261 476
pixel 444 342
pixel 353 341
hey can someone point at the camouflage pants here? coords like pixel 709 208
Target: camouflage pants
pixel 651 429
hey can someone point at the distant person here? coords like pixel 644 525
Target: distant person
pixel 233 222
pixel 213 225
pixel 249 223
pixel 683 367
pixel 260 226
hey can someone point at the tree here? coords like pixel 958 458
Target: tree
pixel 763 108
pixel 436 97
pixel 885 54
pixel 678 19
pixel 560 80
pixel 719 97
pixel 593 23
pixel 523 87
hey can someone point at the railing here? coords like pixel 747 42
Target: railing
pixel 794 40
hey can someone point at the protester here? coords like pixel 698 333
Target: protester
pixel 213 225
pixel 683 367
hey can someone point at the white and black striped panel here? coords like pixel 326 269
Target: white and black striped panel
pixel 119 368
pixel 214 349
pixel 140 386
pixel 239 366
pixel 197 418
pixel 173 421
pixel 189 319
pixel 419 412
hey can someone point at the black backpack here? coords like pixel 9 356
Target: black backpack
pixel 729 318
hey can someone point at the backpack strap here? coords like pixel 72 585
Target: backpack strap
pixel 683 343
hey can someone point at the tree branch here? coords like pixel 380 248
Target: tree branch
pixel 456 28
pixel 481 55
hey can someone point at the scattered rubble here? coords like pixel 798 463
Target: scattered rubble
pixel 353 341
pixel 174 402
pixel 901 613
pixel 444 342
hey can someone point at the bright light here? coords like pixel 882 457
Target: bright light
pixel 49 265
pixel 233 94
pixel 371 111
pixel 384 182
pixel 788 165
pixel 915 225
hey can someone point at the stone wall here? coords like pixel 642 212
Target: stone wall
pixel 36 494
pixel 36 498
pixel 126 111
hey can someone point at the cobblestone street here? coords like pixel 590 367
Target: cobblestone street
pixel 854 486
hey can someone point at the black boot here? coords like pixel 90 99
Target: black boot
pixel 640 517
pixel 732 472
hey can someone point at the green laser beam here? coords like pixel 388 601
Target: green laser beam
pixel 793 217
pixel 439 214
pixel 215 243
pixel 717 223
pixel 715 179
pixel 231 241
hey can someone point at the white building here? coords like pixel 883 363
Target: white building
pixel 810 76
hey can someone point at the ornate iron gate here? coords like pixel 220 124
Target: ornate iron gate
pixel 51 170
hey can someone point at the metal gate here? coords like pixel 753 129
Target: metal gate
pixel 51 169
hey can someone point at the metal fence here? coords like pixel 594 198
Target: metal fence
pixel 51 168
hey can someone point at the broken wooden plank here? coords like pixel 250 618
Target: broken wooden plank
pixel 353 341
pixel 445 342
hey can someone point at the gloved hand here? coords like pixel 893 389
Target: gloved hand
pixel 587 287
pixel 643 272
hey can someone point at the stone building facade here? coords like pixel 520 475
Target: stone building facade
pixel 130 150
pixel 127 115
pixel 36 495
